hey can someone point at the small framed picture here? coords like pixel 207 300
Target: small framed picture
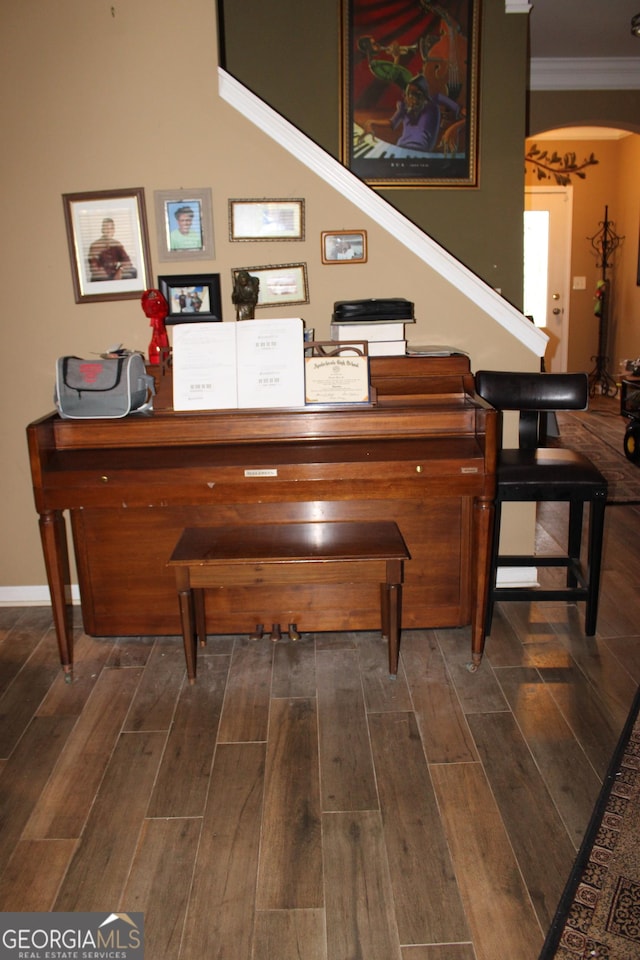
pixel 108 244
pixel 184 224
pixel 344 246
pixel 192 299
pixel 281 283
pixel 266 219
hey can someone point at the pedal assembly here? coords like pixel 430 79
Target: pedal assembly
pixel 276 632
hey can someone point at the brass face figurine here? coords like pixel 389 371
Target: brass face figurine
pixel 245 295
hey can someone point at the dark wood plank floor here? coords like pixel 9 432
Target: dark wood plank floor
pixel 295 802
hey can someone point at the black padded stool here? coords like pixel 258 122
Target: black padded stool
pixel 535 473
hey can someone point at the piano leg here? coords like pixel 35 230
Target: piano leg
pixel 53 535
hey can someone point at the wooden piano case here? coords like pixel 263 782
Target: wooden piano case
pixel 422 455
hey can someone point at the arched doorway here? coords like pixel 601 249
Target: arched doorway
pixel 582 170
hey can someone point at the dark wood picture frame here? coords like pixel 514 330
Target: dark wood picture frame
pixel 108 243
pixel 192 298
pixel 410 92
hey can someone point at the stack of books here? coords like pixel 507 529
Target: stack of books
pixel 381 323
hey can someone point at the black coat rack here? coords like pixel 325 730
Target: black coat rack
pixel 605 242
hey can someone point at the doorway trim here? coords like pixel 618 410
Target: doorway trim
pixel 567 192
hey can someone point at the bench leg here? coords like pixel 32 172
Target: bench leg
pixel 185 598
pixel 390 607
pixel 200 617
pixel 394 627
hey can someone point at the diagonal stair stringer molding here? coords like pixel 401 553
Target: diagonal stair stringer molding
pixel 338 177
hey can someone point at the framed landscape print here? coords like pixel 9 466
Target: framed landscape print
pixel 410 91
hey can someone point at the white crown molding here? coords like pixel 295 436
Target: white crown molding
pixel 373 205
pixel 517 6
pixel 585 73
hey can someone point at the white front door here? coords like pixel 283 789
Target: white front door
pixel 547 267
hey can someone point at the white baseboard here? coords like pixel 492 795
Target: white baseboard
pixel 38 596
pixel 517 577
pixel 34 596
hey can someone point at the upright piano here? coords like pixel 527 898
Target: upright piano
pixel 422 453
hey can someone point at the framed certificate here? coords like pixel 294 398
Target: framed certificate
pixel 341 378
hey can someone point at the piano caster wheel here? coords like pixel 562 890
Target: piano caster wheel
pixel 473 666
pixel 275 632
pixel 258 632
pixel 293 632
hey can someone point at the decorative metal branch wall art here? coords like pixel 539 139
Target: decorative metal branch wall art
pixel 552 166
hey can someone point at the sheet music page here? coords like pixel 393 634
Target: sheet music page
pixel 204 366
pixel 270 363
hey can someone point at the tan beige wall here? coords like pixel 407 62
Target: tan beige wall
pixel 612 183
pixel 107 94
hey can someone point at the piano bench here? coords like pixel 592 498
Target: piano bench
pixel 288 553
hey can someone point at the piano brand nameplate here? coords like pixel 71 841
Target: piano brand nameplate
pixel 261 473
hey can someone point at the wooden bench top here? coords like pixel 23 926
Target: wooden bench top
pixel 290 542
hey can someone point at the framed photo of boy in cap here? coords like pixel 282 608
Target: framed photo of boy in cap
pixel 184 224
pixel 410 90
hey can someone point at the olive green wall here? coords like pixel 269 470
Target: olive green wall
pixel 549 109
pixel 288 53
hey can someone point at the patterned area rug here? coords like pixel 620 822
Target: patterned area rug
pixel 598 433
pixel 599 912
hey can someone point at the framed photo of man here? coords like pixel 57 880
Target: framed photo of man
pixel 184 224
pixel 410 91
pixel 108 244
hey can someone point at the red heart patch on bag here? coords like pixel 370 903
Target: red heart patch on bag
pixel 90 371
